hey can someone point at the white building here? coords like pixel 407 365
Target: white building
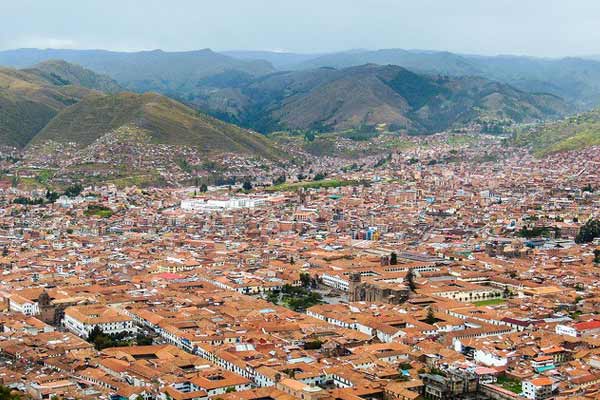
pixel 20 304
pixel 81 320
pixel 538 388
pixel 223 204
pixel 339 282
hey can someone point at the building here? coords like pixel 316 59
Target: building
pixel 81 320
pixel 538 388
pixel 377 291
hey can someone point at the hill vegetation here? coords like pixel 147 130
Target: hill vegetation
pixel 572 133
pixel 61 73
pixel 328 99
pixel 577 80
pixel 28 102
pixel 165 120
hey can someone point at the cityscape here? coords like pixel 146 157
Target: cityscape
pixel 269 225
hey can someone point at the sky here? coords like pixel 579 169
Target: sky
pixel 551 28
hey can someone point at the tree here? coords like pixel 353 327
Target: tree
pixel 247 186
pixel 74 190
pixel 589 231
pixel 143 340
pixel 51 197
pixel 596 256
pixel 279 181
pixel 5 251
pixel 319 176
pixel 410 279
pixel 393 258
pixel 7 394
pixel 309 136
pixel 305 279
pixel 99 339
pixel 203 188
pixel 430 318
pixel 313 345
pixel 588 188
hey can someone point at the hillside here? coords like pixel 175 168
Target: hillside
pixel 330 99
pixel 28 102
pixel 61 73
pixel 577 80
pixel 165 120
pixel 173 73
pixel 573 133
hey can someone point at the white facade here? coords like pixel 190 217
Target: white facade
pixel 23 306
pixel 566 330
pixel 227 204
pixel 489 359
pixel 532 391
pixel 336 281
pixel 83 329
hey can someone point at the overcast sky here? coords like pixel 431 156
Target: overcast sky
pixel 533 27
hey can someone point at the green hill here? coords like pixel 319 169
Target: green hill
pixel 28 102
pixel 328 99
pixel 165 120
pixel 573 133
pixel 61 73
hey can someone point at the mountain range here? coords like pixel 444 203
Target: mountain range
pixel 328 99
pixel 80 94
pixel 65 103
pixel 253 94
pixel 577 80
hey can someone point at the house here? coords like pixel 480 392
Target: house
pixel 538 388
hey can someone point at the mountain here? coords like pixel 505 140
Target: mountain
pixel 577 80
pixel 573 133
pixel 61 73
pixel 28 101
pixel 444 63
pixel 172 73
pixel 331 99
pixel 280 60
pixel 164 120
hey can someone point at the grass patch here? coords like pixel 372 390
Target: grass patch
pixel 326 183
pixel 490 302
pixel 98 211
pixel 511 384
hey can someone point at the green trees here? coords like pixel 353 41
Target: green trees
pixel 102 340
pixel 393 258
pixel 74 190
pixel 305 279
pixel 7 394
pixel 299 298
pixel 589 231
pixel 247 186
pixel 279 181
pixel 430 319
pixel 314 345
pixel 99 339
pixel 410 279
pixel 319 176
pixel 597 256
